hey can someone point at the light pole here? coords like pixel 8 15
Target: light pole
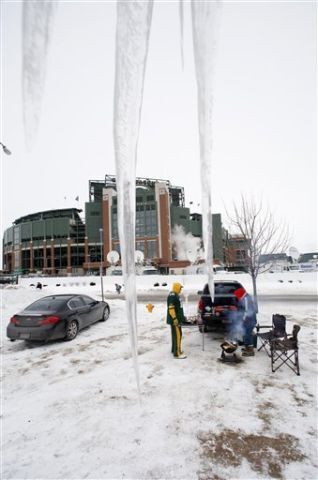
pixel 88 264
pixel 101 262
pixel 5 149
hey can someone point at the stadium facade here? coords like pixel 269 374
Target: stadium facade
pixel 62 242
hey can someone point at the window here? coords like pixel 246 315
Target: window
pixel 146 222
pixel 116 247
pixel 152 249
pixel 94 252
pixel 87 300
pixel 140 246
pixel 46 304
pixel 240 254
pixel 16 259
pixel 114 225
pixel 76 302
pixel 226 288
pixel 16 235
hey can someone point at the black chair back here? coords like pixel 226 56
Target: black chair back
pixel 279 325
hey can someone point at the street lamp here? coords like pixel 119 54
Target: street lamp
pixel 5 149
pixel 88 263
pixel 101 262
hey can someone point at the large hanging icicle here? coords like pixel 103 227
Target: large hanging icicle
pixel 132 38
pixel 181 31
pixel 37 26
pixel 205 17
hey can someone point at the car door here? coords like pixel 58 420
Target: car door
pixel 80 311
pixel 94 309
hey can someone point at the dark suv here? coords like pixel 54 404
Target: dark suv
pixel 219 314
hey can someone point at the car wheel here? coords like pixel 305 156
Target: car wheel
pixel 106 313
pixel 71 330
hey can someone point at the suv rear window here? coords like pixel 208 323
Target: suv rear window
pixel 226 288
pixel 222 288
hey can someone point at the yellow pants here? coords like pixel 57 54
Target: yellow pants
pixel 176 335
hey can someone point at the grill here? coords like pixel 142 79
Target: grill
pixel 228 354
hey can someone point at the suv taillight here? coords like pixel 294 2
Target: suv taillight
pixel 201 306
pixel 14 320
pixel 51 320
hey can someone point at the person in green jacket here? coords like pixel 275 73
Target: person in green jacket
pixel 175 318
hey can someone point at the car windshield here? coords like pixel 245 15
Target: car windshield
pixel 45 304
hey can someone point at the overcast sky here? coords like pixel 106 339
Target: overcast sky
pixel 264 110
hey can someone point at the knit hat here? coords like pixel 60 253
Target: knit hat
pixel 176 287
pixel 239 293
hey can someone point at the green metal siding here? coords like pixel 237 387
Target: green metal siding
pixel 38 229
pixel 61 227
pixel 26 232
pixel 93 215
pixel 196 226
pixel 180 216
pixel 45 229
pixel 49 229
pixel 8 236
pixel 217 236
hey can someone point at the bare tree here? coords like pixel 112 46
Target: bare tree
pixel 256 225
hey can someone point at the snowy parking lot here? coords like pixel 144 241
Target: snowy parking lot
pixel 70 410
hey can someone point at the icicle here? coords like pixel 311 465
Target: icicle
pixel 204 22
pixel 132 38
pixel 37 25
pixel 181 31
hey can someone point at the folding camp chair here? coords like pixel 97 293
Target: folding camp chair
pixel 285 351
pixel 277 330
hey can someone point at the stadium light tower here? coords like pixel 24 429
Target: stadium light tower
pixel 5 149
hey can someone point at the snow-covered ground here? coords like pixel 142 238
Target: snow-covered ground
pixel 70 410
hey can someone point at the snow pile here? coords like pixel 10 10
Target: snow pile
pixel 286 283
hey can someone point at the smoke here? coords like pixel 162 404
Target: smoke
pixel 185 245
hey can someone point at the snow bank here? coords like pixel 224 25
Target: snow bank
pixel 287 283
